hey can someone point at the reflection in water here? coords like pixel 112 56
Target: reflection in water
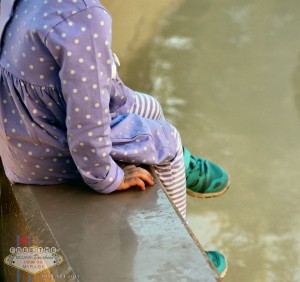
pixel 227 75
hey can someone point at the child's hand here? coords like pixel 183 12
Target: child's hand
pixel 135 176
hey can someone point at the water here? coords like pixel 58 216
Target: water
pixel 227 74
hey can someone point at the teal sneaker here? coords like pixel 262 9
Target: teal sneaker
pixel 219 262
pixel 204 179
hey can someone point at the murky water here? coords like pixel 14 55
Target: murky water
pixel 228 76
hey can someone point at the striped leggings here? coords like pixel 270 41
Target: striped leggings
pixel 171 173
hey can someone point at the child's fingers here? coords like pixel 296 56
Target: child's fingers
pixel 135 176
pixel 138 172
pixel 135 181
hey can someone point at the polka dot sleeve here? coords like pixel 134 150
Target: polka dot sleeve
pixel 81 46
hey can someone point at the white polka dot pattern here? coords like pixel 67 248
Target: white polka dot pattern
pixel 65 112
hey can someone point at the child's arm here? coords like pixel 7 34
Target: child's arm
pixel 81 45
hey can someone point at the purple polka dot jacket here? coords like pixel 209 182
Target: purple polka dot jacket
pixel 64 112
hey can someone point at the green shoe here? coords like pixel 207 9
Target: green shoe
pixel 204 179
pixel 219 262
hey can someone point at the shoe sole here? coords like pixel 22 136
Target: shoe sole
pixel 208 195
pixel 224 272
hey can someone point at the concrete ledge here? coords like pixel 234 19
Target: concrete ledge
pixel 124 236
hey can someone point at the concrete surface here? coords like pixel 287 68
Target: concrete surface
pixel 124 236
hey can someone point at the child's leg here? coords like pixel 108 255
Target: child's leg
pixel 172 175
pixel 172 172
pixel 140 140
pixel 204 179
pixel 147 106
